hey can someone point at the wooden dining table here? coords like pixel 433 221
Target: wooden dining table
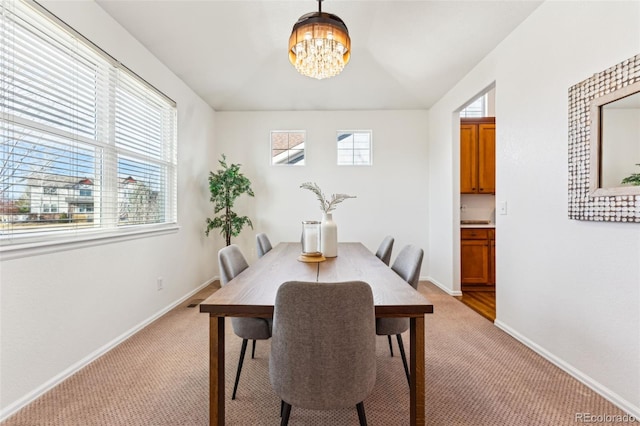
pixel 253 293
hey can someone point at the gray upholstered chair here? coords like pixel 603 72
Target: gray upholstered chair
pixel 263 245
pixel 384 250
pixel 323 346
pixel 232 263
pixel 407 265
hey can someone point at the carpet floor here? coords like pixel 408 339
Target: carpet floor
pixel 475 375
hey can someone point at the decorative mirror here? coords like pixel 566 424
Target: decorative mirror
pixel 604 145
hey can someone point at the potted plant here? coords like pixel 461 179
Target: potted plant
pixel 634 179
pixel 226 185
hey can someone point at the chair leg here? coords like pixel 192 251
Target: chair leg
pixel 285 414
pixel 242 352
pixel 404 358
pixel 361 416
pixel 253 350
pixel 390 345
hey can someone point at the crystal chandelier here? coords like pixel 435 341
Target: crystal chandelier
pixel 319 46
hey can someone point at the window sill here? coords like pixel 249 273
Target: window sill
pixel 16 250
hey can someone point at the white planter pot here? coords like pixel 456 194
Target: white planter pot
pixel 328 236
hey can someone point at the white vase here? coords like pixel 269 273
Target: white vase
pixel 328 236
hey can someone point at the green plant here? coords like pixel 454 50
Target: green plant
pixel 226 185
pixel 634 179
pixel 327 206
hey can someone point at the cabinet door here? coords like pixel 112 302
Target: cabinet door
pixel 474 261
pixel 468 159
pixel 487 158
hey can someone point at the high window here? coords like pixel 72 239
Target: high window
pixel 287 147
pixel 477 108
pixel 354 148
pixel 86 145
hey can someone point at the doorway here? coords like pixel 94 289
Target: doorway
pixel 477 205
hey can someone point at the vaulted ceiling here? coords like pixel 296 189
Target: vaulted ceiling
pixel 405 54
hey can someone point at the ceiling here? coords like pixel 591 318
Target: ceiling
pixel 405 54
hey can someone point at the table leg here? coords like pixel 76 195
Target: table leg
pixel 216 371
pixel 416 393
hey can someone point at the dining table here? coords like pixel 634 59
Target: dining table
pixel 252 293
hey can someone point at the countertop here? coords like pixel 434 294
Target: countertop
pixel 478 225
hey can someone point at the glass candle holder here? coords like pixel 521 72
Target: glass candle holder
pixel 310 237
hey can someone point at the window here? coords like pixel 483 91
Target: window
pixel 354 148
pixel 80 134
pixel 287 147
pixel 84 208
pixel 477 108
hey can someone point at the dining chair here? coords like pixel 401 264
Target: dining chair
pixel 407 265
pixel 384 250
pixel 232 262
pixel 323 346
pixel 263 244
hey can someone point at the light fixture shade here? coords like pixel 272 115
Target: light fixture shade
pixel 319 46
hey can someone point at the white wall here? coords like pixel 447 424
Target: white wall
pixel 59 310
pixel 569 289
pixel 391 194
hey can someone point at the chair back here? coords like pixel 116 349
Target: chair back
pixel 263 245
pixel 231 262
pixel 384 250
pixel 408 264
pixel 323 344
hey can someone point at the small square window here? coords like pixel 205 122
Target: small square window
pixel 287 147
pixel 354 148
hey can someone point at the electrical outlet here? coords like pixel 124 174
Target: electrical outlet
pixel 160 283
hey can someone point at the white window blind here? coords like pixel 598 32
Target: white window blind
pixel 86 144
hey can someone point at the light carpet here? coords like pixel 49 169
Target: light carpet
pixel 475 375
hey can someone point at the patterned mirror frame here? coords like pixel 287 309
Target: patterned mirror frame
pixel 621 204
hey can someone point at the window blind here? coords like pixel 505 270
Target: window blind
pixel 86 144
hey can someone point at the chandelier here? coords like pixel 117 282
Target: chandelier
pixel 319 46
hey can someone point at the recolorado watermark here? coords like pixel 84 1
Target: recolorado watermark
pixel 604 418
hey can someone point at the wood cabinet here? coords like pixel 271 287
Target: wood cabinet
pixel 477 155
pixel 477 256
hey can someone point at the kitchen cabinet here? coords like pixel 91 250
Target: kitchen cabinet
pixel 477 256
pixel 477 155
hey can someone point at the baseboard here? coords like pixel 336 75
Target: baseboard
pixel 56 380
pixel 594 385
pixel 442 287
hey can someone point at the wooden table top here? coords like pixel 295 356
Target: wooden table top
pixel 253 292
